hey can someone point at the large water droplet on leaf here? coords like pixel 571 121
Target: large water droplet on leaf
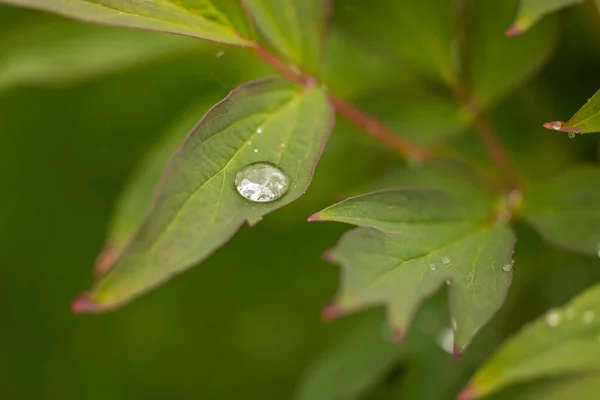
pixel 553 318
pixel 261 182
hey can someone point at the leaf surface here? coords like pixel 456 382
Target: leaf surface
pixel 134 201
pixel 412 241
pixel 197 207
pixel 586 120
pixel 564 341
pixel 63 51
pixel 531 11
pixel 295 28
pixel 219 21
pixel 496 65
pixel 564 209
pixel 416 33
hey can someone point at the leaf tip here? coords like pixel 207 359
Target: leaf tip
pixel 83 305
pixel 331 312
pixel 554 125
pixel 329 256
pixel 514 31
pixel 399 335
pixel 314 218
pixel 457 354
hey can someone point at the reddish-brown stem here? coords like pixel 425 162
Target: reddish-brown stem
pixel 488 137
pixel 368 123
pixel 378 130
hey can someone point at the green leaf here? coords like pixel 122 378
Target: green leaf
pixel 134 201
pixel 63 51
pixel 348 369
pixel 565 341
pixel 197 208
pixel 586 120
pixel 531 11
pixel 412 241
pixel 496 65
pixel 295 28
pixel 564 209
pixel 204 19
pixel 417 33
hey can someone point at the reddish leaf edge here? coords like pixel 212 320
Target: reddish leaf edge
pixel 561 127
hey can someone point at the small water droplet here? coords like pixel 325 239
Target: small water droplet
pixel 249 141
pixel 283 145
pixel 588 317
pixel 507 268
pixel 432 267
pixel 261 182
pixel 259 130
pixel 471 275
pixel 553 318
pixel 256 150
pixel 446 260
pixel 445 339
pixel 220 53
pixel 571 135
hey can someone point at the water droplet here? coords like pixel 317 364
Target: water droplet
pixel 553 318
pixel 446 260
pixel 445 339
pixel 588 317
pixel 471 275
pixel 261 182
pixel 220 53
pixel 259 130
pixel 256 150
pixel 571 135
pixel 432 267
pixel 283 145
pixel 507 268
pixel 249 141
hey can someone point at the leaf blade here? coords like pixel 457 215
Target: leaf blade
pixel 197 19
pixel 564 210
pixel 281 24
pixel 531 11
pixel 399 259
pixel 564 341
pixel 197 191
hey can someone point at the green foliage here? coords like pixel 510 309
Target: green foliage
pixel 410 243
pixel 439 82
pixel 197 207
pixel 202 19
pixel 564 341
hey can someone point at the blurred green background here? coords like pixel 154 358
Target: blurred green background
pixel 246 324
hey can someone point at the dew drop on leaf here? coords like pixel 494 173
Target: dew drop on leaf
pixel 261 182
pixel 256 150
pixel 445 339
pixel 259 130
pixel 553 318
pixel 571 135
pixel 507 268
pixel 446 260
pixel 432 267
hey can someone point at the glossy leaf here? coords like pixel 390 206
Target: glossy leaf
pixel 133 203
pixel 197 208
pixel 496 65
pixel 531 11
pixel 349 368
pixel 219 21
pixel 63 51
pixel 412 241
pixel 565 211
pixel 564 341
pixel 586 120
pixel 295 28
pixel 417 33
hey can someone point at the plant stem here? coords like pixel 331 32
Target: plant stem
pixel 488 136
pixel 368 123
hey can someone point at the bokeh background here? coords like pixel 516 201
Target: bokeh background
pixel 77 116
